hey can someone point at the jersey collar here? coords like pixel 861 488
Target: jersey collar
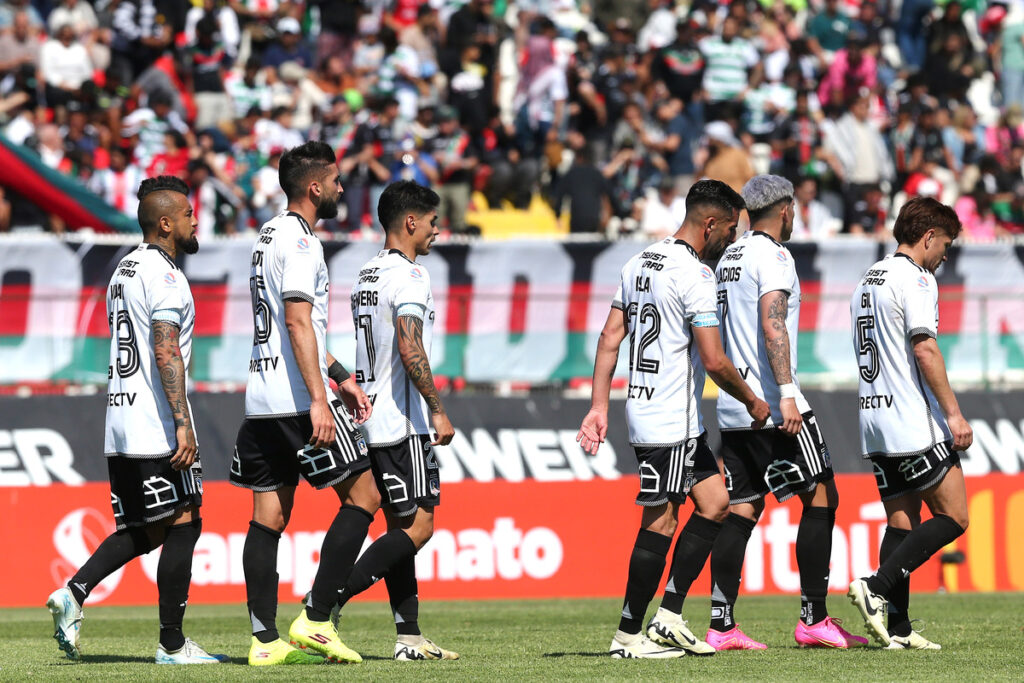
pixel 762 233
pixel 160 250
pixel 305 225
pixel 916 264
pixel 399 252
pixel 687 245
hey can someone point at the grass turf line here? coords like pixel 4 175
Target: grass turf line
pixel 981 637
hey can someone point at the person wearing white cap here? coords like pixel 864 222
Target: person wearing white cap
pixel 289 47
pixel 726 159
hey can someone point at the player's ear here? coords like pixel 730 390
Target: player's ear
pixel 929 236
pixel 410 223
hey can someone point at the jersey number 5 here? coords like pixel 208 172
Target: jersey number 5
pixel 260 310
pixel 866 346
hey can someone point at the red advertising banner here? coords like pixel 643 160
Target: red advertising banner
pixel 492 540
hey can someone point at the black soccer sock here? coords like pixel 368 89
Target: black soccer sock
pixel 899 595
pixel 402 593
pixel 338 554
pixel 920 544
pixel 259 564
pixel 386 552
pixel 692 549
pixel 117 550
pixel 813 555
pixel 646 565
pixel 173 577
pixel 726 565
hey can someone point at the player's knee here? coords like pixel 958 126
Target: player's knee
pixel 422 531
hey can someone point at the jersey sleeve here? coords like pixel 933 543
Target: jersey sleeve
pixel 412 295
pixel 920 306
pixel 166 303
pixel 298 267
pixel 776 272
pixel 700 299
pixel 619 299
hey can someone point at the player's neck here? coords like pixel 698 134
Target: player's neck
pixel 305 209
pixel 394 242
pixel 694 236
pixel 773 231
pixel 166 244
pixel 910 250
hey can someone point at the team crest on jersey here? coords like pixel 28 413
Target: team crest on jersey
pixel 170 279
pixel 303 243
pixel 416 274
pixel 706 273
pixel 922 282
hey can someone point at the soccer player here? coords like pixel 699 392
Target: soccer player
pixel 291 425
pixel 910 423
pixel 150 442
pixel 666 304
pixel 759 306
pixel 393 310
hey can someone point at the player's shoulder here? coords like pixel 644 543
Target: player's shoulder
pixel 288 224
pixel 767 247
pixel 398 268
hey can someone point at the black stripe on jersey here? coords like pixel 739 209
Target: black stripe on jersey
pixel 397 251
pixel 764 234
pixel 302 221
pixel 919 267
pixel 167 257
pixel 687 245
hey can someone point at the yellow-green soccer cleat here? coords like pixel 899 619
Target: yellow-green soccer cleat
pixel 671 630
pixel 418 648
pixel 277 652
pixel 871 608
pixel 321 637
pixel 67 621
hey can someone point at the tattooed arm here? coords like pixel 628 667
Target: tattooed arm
pixel 417 366
pixel 172 376
pixel 774 306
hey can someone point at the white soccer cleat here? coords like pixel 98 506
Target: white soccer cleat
pixel 670 630
pixel 872 609
pixel 67 621
pixel 639 646
pixel 418 649
pixel 915 641
pixel 189 653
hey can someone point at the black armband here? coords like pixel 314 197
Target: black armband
pixel 338 373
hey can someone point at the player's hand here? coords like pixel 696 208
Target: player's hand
pixel 593 431
pixel 323 424
pixel 443 430
pixel 355 400
pixel 792 420
pixel 185 453
pixel 760 411
pixel 963 435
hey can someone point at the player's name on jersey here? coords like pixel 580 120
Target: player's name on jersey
pixel 730 274
pixel 263 364
pixel 876 401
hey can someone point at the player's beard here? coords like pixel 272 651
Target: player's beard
pixel 190 245
pixel 327 208
pixel 713 250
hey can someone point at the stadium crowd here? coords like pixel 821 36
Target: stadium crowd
pixel 861 103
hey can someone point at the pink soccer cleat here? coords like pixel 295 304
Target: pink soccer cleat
pixel 826 633
pixel 733 639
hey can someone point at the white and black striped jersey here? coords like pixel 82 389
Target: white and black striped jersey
pixel 390 286
pixel 146 286
pixel 664 292
pixel 753 266
pixel 287 263
pixel 895 301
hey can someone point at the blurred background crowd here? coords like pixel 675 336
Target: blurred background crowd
pixel 603 112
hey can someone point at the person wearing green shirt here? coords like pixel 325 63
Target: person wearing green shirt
pixel 830 27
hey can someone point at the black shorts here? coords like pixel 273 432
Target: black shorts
pixel 271 452
pixel 899 475
pixel 407 475
pixel 759 461
pixel 146 490
pixel 667 473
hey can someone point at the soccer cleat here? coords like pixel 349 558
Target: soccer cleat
pixel 639 646
pixel 321 637
pixel 278 652
pixel 189 653
pixel 335 610
pixel 671 630
pixel 733 639
pixel 827 633
pixel 872 609
pixel 915 641
pixel 67 621
pixel 418 648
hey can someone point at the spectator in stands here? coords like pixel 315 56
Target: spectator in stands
pixel 119 184
pixel 512 176
pixel 541 97
pixel 726 160
pixel 811 219
pixel 19 46
pixel 975 213
pixel 288 47
pixel 12 8
pixel 399 75
pixel 930 156
pixel 828 30
pixel 248 90
pixel 681 64
pixel 472 23
pixel 681 125
pixel 268 199
pixel 586 191
pixel 142 31
pixel 852 69
pixel 729 61
pixel 664 211
pixel 457 159
pixel 1012 57
pixel 867 214
pixel 364 171
pixel 209 61
pixel 225 20
pixel 148 126
pixel 864 160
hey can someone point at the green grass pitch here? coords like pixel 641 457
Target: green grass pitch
pixel 981 635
